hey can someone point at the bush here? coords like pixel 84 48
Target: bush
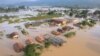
pixel 33 50
pixel 27 25
pixel 69 34
pixel 47 43
pixel 87 22
pixel 24 32
pixel 91 23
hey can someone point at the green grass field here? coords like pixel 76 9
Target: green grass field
pixel 43 17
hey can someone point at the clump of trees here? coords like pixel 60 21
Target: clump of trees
pixel 27 25
pixel 85 23
pixel 47 43
pixel 54 12
pixel 88 22
pixel 51 12
pixel 82 14
pixel 71 12
pixel 97 12
pixel 33 50
pixel 78 13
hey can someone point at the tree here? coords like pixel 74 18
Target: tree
pixel 96 12
pixel 71 12
pixel 33 50
pixel 21 7
pixel 84 13
pixel 47 43
pixel 69 34
pixel 51 12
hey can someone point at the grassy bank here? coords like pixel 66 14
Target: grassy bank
pixel 42 17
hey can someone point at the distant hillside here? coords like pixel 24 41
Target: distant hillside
pixel 70 3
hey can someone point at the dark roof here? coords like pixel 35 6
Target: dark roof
pixel 13 34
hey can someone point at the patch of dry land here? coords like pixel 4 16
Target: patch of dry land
pixel 85 43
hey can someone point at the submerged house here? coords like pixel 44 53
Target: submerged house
pixel 40 38
pixel 29 40
pixel 13 35
pixel 55 33
pixel 18 47
pixel 67 28
pixel 58 22
pixel 32 24
pixel 77 20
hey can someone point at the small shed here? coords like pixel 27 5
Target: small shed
pixel 40 38
pixel 67 28
pixel 29 41
pixel 18 47
pixel 55 33
pixel 59 22
pixel 60 30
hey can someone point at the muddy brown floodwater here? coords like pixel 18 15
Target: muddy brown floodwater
pixel 85 43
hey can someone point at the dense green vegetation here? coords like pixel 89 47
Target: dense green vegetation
pixel 47 43
pixel 27 25
pixel 97 12
pixel 14 21
pixel 87 22
pixel 24 32
pixel 44 16
pixel 69 34
pixel 33 50
pixel 36 49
